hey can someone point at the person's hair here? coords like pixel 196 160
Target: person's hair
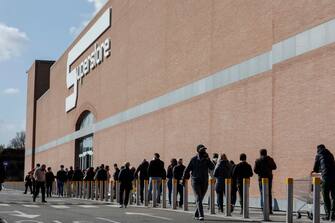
pixel 180 160
pixel 173 161
pixel 61 166
pixel 321 146
pixel 263 152
pixel 223 157
pixel 215 155
pixel 102 166
pixel 157 155
pixel 243 157
pixel 115 164
pixel 38 165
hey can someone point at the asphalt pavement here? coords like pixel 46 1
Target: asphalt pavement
pixel 15 207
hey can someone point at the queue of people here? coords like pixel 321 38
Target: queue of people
pixel 199 170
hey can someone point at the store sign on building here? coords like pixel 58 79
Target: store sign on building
pixel 101 51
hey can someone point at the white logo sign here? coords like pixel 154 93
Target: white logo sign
pixel 100 52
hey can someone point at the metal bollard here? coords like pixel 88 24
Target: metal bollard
pixel 101 190
pixel 174 194
pixel 212 195
pixel 316 199
pixel 111 191
pixel 154 193
pixel 146 193
pixel 84 189
pixel 185 195
pixel 97 190
pixel 77 189
pixel 106 187
pixel 266 205
pixel 289 211
pixel 92 184
pixel 138 191
pixel 163 193
pixel 228 196
pixel 246 186
pixel 117 191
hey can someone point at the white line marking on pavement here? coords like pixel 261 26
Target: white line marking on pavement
pixel 113 205
pixel 17 213
pixel 149 215
pixel 59 206
pixel 4 205
pixel 108 220
pixel 55 221
pixel 30 206
pixel 88 206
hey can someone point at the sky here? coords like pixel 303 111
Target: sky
pixel 30 30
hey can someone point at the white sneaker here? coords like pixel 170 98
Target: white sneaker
pixel 121 206
pixel 201 218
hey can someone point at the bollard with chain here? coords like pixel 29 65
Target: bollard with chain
pixel 138 191
pixel 174 194
pixel 146 193
pixel 316 199
pixel 228 196
pixel 266 205
pixel 154 193
pixel 246 186
pixel 164 193
pixel 212 195
pixel 289 211
pixel 185 195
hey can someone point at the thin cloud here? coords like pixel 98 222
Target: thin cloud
pixel 12 42
pixel 11 91
pixel 97 4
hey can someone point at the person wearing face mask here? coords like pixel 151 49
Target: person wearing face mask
pixel 199 167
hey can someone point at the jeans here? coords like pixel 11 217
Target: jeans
pixel 270 193
pixel 40 185
pixel 328 188
pixel 49 189
pixel 240 192
pixel 142 190
pixel 158 188
pixel 30 188
pixel 199 189
pixel 124 194
pixel 60 186
pixel 220 192
pixel 169 185
pixel 180 191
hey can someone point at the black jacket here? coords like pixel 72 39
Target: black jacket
pixel 78 175
pixel 178 172
pixel 242 170
pixel 264 167
pixel 70 175
pixel 101 174
pixel 223 170
pixel 61 176
pixel 89 175
pixel 49 177
pixel 126 178
pixel 199 168
pixel 156 169
pixel 325 164
pixel 116 174
pixel 2 173
pixel 143 170
pixel 169 173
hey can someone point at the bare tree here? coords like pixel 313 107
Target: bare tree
pixel 19 141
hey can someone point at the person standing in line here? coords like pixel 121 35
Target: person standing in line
pixel 32 173
pixel 222 172
pixel 40 182
pixel 199 166
pixel 28 183
pixel 126 178
pixel 325 165
pixel 243 170
pixel 143 170
pixel 156 171
pixel 78 174
pixel 233 187
pixel 264 167
pixel 169 177
pixel 61 179
pixel 49 180
pixel 178 172
pixel 115 177
pixel 215 158
pixel 2 175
